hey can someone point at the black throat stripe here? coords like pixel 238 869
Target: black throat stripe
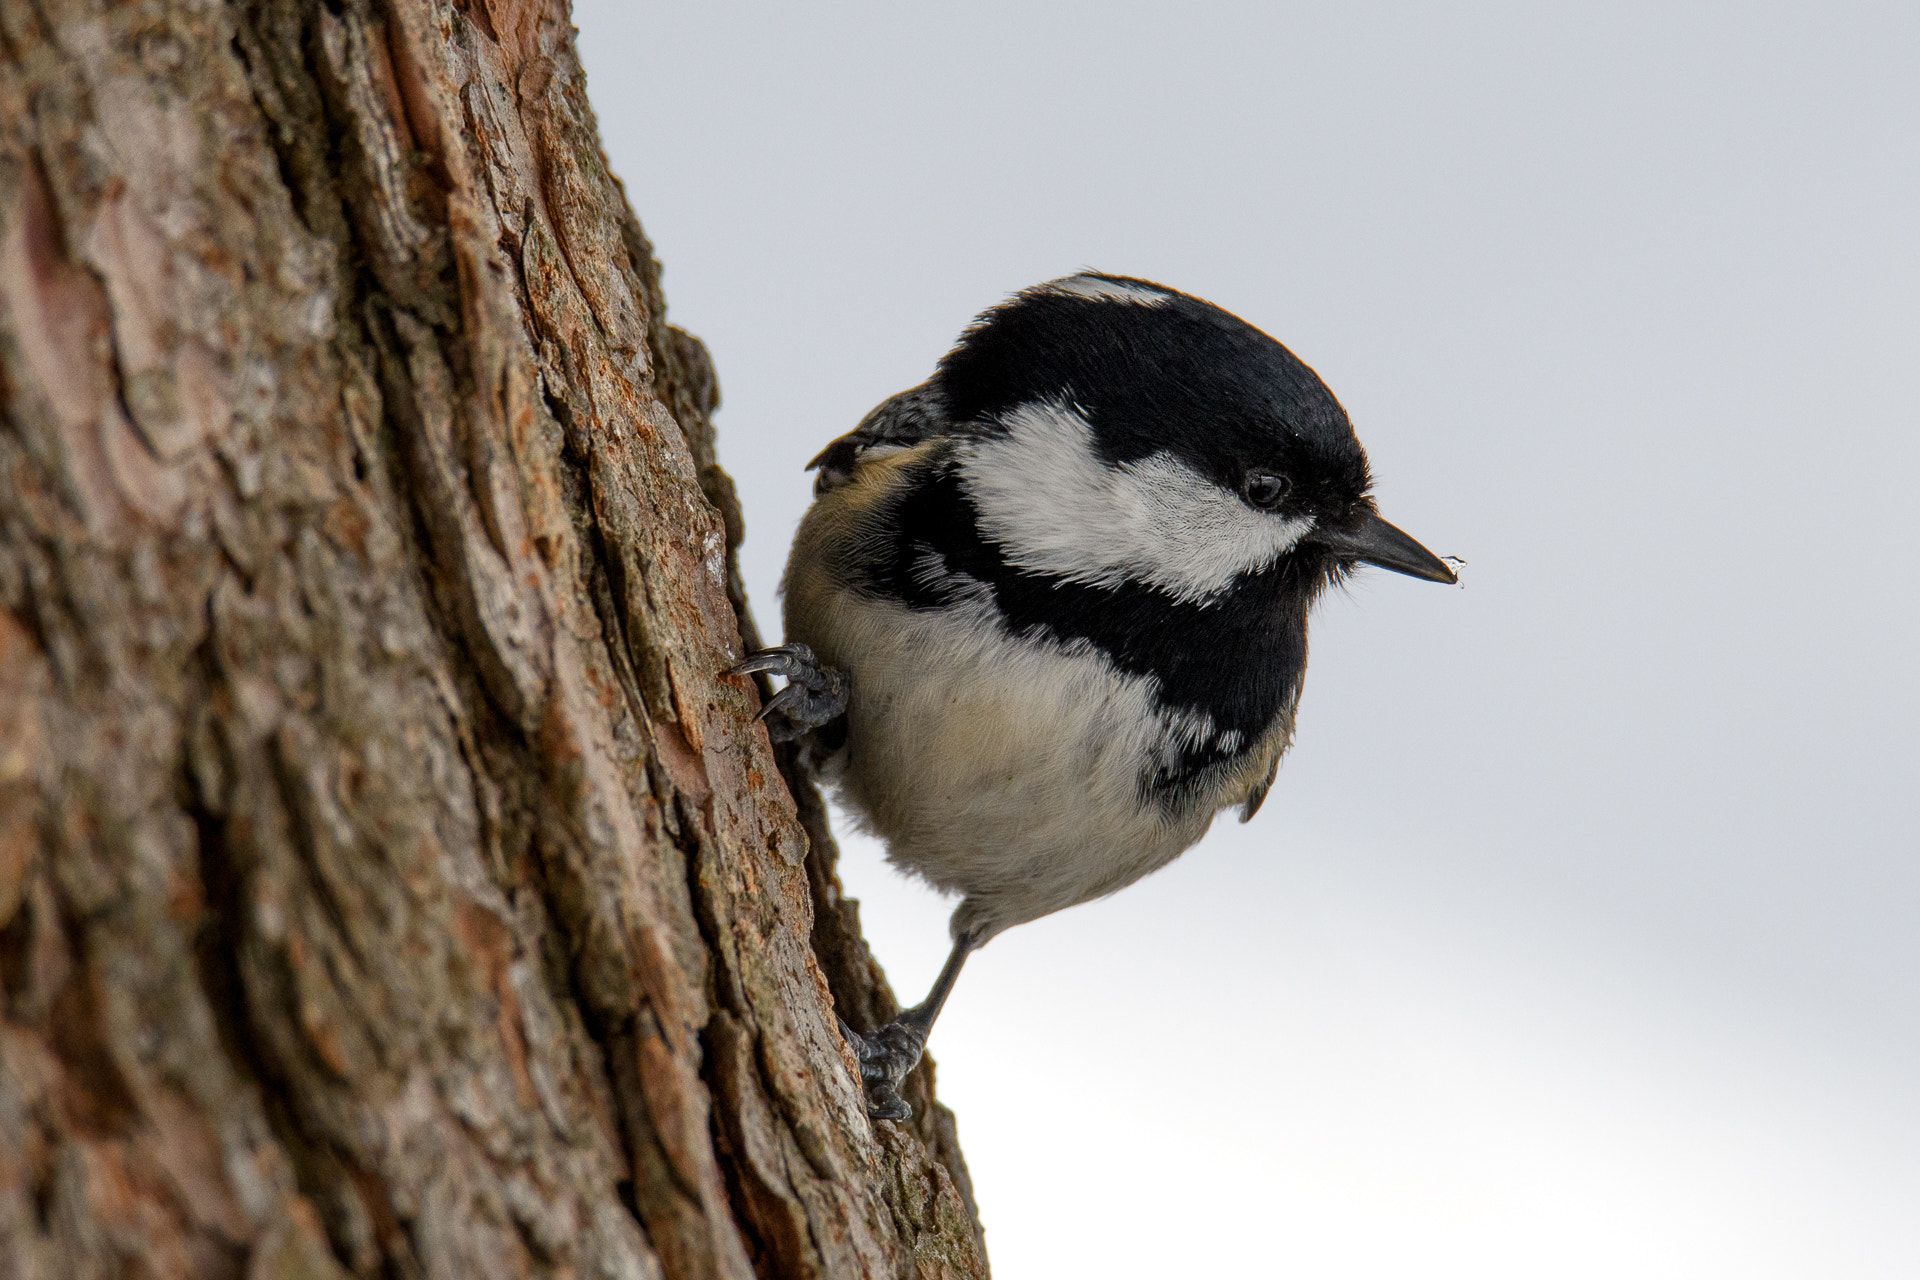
pixel 1238 660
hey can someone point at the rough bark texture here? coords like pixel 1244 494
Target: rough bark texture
pixel 389 885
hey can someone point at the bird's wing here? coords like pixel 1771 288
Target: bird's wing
pixel 1258 796
pixel 897 423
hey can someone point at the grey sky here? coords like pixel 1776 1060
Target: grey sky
pixel 1579 935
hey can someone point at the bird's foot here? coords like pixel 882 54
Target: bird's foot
pixel 886 1056
pixel 815 693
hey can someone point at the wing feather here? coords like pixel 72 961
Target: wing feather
pixel 1258 796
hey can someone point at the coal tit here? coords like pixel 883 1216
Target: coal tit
pixel 1048 612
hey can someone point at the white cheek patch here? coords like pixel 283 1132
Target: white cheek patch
pixel 1084 286
pixel 1054 507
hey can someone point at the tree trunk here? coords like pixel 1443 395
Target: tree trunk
pixel 389 884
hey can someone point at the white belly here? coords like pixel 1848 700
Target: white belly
pixel 1004 770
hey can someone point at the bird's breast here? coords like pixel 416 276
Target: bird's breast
pixel 1025 765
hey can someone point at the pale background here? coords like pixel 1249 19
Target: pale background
pixel 1578 938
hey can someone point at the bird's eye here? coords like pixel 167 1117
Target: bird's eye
pixel 1264 489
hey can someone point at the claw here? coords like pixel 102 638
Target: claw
pixel 814 695
pixel 887 1104
pixel 780 660
pixel 886 1057
pixel 890 1052
pixel 782 700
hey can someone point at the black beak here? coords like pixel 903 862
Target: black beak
pixel 1369 539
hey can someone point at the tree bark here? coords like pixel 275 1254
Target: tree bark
pixel 389 883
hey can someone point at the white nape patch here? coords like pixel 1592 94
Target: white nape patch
pixel 1055 507
pixel 1086 286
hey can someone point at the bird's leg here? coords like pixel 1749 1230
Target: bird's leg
pixel 814 695
pixel 888 1054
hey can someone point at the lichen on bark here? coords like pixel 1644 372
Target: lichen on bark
pixel 390 884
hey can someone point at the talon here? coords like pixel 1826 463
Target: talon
pixel 781 701
pixel 887 1104
pixel 815 694
pixel 886 1058
pixel 889 1053
pixel 781 660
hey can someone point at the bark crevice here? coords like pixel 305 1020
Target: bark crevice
pixel 217 945
pixel 390 884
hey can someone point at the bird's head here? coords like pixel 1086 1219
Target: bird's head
pixel 1117 431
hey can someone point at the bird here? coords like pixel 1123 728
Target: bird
pixel 1047 613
